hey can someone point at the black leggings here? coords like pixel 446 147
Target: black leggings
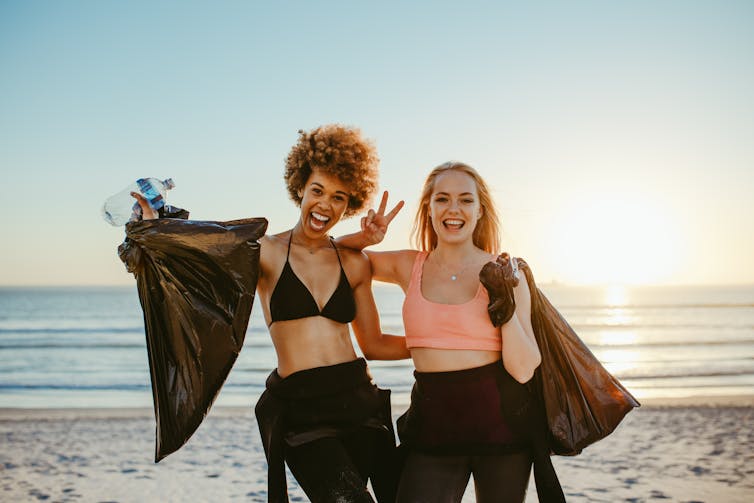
pixel 499 478
pixel 336 469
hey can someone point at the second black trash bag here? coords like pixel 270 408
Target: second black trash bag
pixel 196 283
pixel 583 402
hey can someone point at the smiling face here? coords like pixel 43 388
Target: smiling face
pixel 454 206
pixel 486 230
pixel 324 200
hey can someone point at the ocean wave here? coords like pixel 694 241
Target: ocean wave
pixel 97 345
pixel 685 374
pixel 672 325
pixel 680 305
pixel 669 344
pixel 74 330
pixel 73 387
pixel 46 345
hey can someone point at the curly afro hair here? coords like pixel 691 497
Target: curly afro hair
pixel 339 151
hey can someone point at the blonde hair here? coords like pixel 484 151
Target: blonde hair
pixel 487 231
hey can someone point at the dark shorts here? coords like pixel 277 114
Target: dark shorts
pixel 458 412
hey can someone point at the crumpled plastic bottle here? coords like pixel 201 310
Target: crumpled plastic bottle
pixel 121 208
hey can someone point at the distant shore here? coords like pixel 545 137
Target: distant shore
pixel 684 449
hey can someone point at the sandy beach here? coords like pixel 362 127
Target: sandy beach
pixel 679 450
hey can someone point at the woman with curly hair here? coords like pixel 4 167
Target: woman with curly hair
pixel 455 426
pixel 321 413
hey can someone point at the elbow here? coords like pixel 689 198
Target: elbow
pixel 537 361
pixel 525 373
pixel 370 354
pixel 523 377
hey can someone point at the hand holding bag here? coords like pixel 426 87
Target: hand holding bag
pixel 500 277
pixel 583 402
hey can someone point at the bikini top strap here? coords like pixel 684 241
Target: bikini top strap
pixel 290 238
pixel 332 242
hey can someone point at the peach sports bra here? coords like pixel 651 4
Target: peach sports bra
pixel 447 326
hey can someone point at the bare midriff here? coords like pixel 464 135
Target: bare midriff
pixel 443 360
pixel 310 342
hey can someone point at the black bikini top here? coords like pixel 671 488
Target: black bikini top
pixel 292 300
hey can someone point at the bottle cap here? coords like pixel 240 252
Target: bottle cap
pixel 169 183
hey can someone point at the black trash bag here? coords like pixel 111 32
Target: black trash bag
pixel 583 402
pixel 196 283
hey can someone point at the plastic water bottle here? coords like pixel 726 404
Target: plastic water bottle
pixel 121 208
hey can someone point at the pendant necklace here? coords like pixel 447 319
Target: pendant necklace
pixel 454 276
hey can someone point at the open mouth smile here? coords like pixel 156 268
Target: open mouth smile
pixel 453 224
pixel 318 221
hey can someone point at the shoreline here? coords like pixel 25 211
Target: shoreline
pixel 221 411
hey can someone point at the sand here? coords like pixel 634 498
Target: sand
pixel 679 450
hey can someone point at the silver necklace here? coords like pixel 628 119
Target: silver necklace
pixel 453 276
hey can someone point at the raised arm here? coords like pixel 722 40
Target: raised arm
pixel 392 266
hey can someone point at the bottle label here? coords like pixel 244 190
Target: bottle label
pixel 152 195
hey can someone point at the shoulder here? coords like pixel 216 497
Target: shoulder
pixel 273 249
pixel 489 257
pixel 275 242
pixel 482 258
pixel 353 257
pixel 356 262
pixel 398 256
pixel 356 265
pixel 401 262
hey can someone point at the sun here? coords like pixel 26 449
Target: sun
pixel 615 239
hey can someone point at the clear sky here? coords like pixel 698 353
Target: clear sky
pixel 618 136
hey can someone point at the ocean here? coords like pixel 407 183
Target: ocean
pixel 85 346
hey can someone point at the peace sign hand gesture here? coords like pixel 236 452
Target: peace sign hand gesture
pixel 374 225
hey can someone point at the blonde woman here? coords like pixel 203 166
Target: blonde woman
pixel 454 427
